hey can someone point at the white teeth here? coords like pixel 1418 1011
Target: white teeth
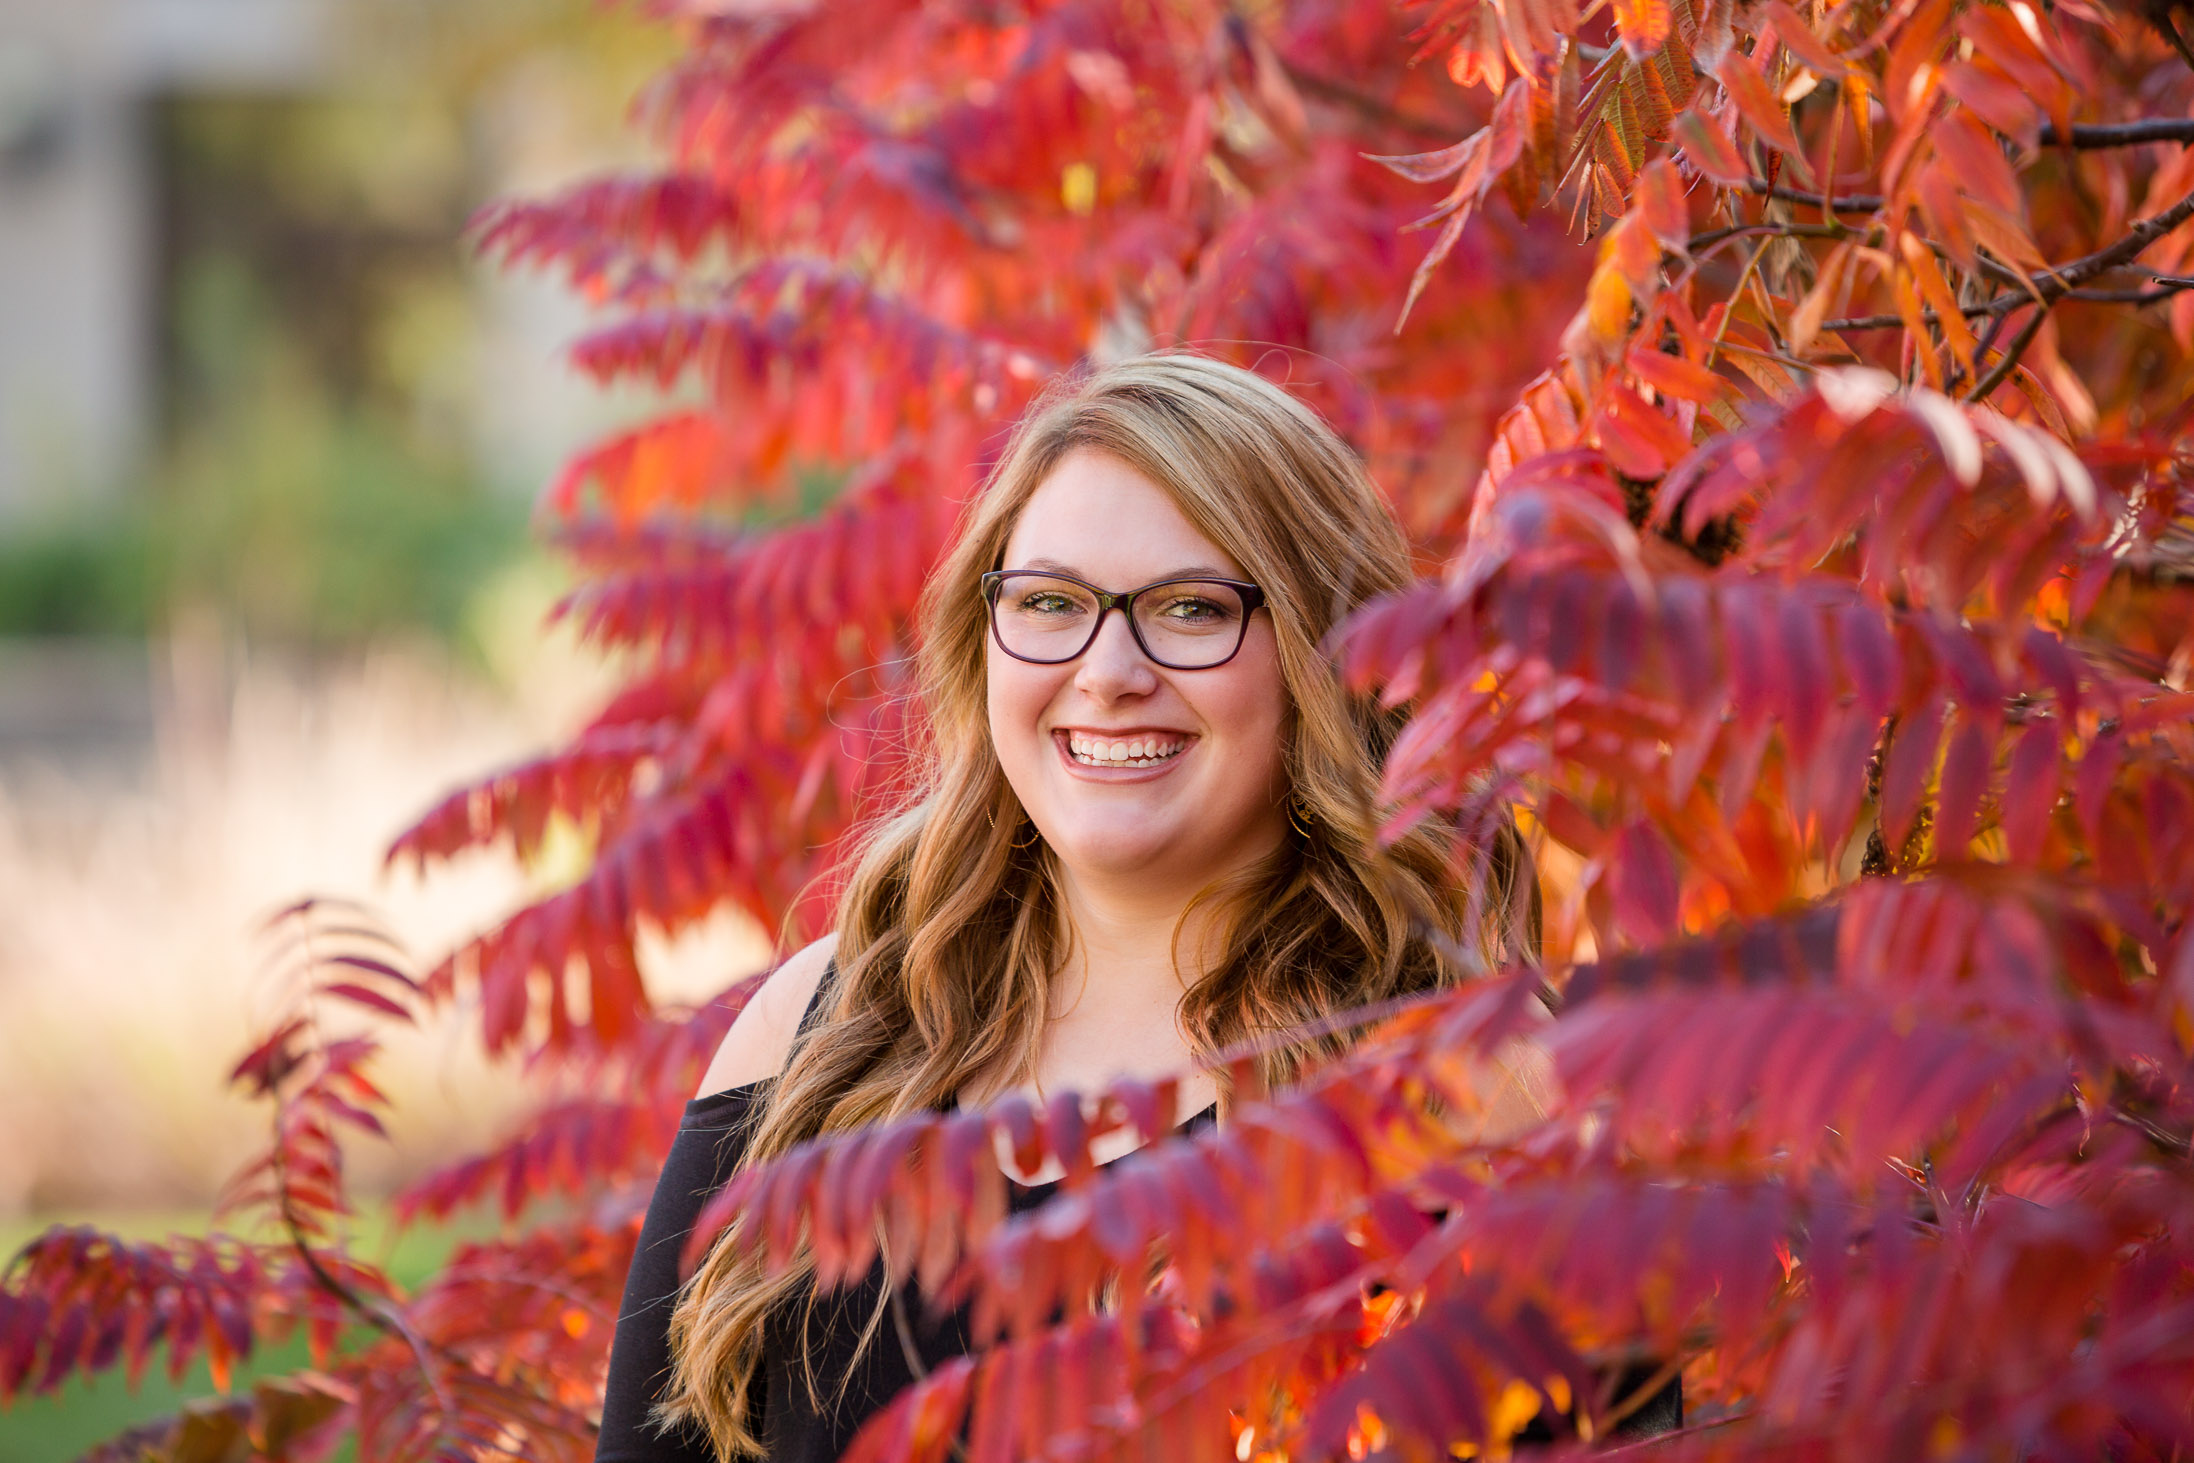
pixel 1135 752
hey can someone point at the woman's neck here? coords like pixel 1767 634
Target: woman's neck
pixel 1129 947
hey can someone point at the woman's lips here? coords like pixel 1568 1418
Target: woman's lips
pixel 1125 771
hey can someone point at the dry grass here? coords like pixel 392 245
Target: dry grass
pixel 129 895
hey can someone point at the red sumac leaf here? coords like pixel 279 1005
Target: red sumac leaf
pixel 1907 768
pixel 1643 25
pixel 1868 653
pixel 1711 150
pixel 1759 105
pixel 1638 438
pixel 1964 781
pixel 1792 30
pixel 371 999
pixel 2031 787
pixel 1676 377
pixel 1642 873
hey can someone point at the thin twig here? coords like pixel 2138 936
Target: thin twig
pixel 1841 203
pixel 2054 282
pixel 1780 231
pixel 2009 360
pixel 2167 285
pixel 1729 312
pixel 2123 134
pixel 2175 1144
pixel 1646 1391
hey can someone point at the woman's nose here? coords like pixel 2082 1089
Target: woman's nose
pixel 1114 665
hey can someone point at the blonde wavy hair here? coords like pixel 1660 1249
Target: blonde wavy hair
pixel 948 935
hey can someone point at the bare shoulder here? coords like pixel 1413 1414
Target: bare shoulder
pixel 756 1046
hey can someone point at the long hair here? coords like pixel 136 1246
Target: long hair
pixel 948 935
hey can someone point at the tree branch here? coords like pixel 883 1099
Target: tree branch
pixel 2167 285
pixel 1847 203
pixel 2009 360
pixel 1712 237
pixel 2054 282
pixel 2123 134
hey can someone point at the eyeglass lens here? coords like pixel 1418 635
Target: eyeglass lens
pixel 1184 624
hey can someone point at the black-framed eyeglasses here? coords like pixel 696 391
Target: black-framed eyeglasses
pixel 1047 618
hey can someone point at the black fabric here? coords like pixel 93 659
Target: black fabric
pixel 711 1138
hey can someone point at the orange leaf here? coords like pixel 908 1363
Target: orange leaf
pixel 1996 99
pixel 2003 235
pixel 1945 214
pixel 1607 303
pixel 1921 261
pixel 1978 162
pixel 1659 204
pixel 1908 306
pixel 1758 102
pixel 1638 438
pixel 1643 24
pixel 1478 55
pixel 2002 42
pixel 1636 255
pixel 1674 376
pixel 1711 150
pixel 1805 321
pixel 1792 31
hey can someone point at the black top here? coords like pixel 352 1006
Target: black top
pixel 711 1139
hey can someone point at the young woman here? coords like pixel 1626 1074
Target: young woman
pixel 1144 832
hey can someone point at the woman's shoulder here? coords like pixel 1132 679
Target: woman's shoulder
pixel 755 1048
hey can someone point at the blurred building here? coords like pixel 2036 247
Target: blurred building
pixel 78 214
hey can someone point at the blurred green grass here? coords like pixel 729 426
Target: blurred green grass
pixel 89 1411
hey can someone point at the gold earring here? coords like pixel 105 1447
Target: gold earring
pixel 1035 836
pixel 1299 816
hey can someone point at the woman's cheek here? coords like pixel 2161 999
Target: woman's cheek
pixel 1016 702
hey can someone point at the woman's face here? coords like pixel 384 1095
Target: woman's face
pixel 1191 814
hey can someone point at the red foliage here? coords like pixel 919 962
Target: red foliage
pixel 1810 572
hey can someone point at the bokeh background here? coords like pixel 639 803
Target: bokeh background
pixel 269 436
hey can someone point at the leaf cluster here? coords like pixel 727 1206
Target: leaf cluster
pixel 1790 408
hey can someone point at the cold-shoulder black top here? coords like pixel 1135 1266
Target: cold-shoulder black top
pixel 711 1139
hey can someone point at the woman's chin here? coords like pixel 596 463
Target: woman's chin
pixel 1127 853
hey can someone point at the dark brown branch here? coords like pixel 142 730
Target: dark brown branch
pixel 2123 134
pixel 1712 237
pixel 1892 322
pixel 1847 203
pixel 2009 360
pixel 2167 285
pixel 2054 282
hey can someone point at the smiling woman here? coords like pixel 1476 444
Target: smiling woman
pixel 1144 833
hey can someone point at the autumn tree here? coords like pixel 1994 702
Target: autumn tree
pixel 1790 402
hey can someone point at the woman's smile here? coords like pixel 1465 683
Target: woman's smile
pixel 1134 755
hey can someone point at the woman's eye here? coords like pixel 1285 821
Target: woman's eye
pixel 1187 611
pixel 1047 604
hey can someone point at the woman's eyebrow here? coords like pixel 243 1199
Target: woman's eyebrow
pixel 1191 571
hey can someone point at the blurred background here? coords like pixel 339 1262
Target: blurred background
pixel 268 440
